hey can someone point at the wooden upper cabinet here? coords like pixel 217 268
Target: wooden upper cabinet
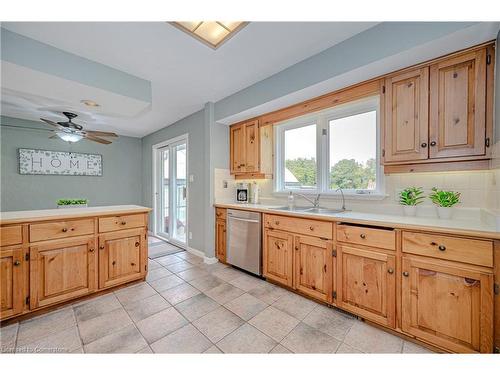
pixel 278 256
pixel 448 304
pixel 12 275
pixel 406 116
pixel 313 267
pixel 122 257
pixel 237 144
pixel 252 147
pixel 61 270
pixel 458 106
pixel 366 284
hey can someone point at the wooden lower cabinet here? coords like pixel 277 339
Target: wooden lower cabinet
pixel 448 304
pixel 12 276
pixel 220 239
pixel 278 256
pixel 61 270
pixel 366 283
pixel 122 257
pixel 313 267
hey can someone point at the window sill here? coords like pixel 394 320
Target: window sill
pixel 337 196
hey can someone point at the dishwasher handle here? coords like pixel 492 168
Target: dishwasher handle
pixel 245 220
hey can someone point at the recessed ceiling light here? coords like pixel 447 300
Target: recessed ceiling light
pixel 212 33
pixel 89 103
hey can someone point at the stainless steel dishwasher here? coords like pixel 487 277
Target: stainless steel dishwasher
pixel 244 240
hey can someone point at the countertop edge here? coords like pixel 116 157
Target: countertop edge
pixel 420 227
pixel 89 212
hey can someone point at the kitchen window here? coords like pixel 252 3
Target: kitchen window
pixel 331 149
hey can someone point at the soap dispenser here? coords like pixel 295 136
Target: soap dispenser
pixel 291 201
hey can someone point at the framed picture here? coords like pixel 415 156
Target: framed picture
pixel 59 163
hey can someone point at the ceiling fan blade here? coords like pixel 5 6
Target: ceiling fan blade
pixel 96 139
pixel 102 134
pixel 52 123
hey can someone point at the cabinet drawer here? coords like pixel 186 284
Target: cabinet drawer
pixel 382 238
pixel 220 213
pixel 61 229
pixel 450 248
pixel 11 235
pixel 109 224
pixel 295 225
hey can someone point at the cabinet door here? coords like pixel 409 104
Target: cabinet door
pixel 252 147
pixel 406 116
pixel 237 145
pixel 121 257
pixel 220 240
pixel 278 256
pixel 458 106
pixel 448 304
pixel 367 284
pixel 314 267
pixel 61 270
pixel 12 275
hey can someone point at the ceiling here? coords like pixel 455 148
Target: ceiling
pixel 184 73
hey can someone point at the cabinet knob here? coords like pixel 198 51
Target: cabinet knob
pixel 297 248
pixel 406 274
pixel 311 227
pixel 101 247
pixel 362 235
pixel 132 264
pixel 433 143
pixel 17 263
pixel 92 250
pixel 123 223
pixel 423 145
pixel 277 222
pixel 137 244
pixel 442 247
pixel 390 271
pixel 65 230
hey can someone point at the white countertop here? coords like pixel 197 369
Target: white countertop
pixel 473 226
pixel 8 217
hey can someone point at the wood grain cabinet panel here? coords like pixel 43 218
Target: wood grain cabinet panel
pixel 60 229
pixel 237 148
pixel 448 304
pixel 122 257
pixel 295 225
pixel 11 235
pixel 109 224
pixel 12 275
pixel 313 267
pixel 367 284
pixel 252 142
pixel 61 270
pixel 383 238
pixel 458 106
pixel 406 116
pixel 220 240
pixel 278 256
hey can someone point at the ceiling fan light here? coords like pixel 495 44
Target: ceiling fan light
pixel 69 137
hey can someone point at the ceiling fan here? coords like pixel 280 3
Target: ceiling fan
pixel 70 132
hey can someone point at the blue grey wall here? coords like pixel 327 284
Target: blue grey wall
pixel 121 182
pixel 192 125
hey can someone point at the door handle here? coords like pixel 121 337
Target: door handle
pixel 245 220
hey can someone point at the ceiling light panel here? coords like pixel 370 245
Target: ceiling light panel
pixel 212 33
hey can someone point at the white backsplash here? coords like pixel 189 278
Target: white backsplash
pixel 479 189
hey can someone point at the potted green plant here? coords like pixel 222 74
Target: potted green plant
pixel 71 203
pixel 444 201
pixel 409 198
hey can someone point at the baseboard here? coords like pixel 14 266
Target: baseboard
pixel 208 260
pixel 201 254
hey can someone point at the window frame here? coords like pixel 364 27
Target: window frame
pixel 322 120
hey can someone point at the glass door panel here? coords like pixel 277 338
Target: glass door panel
pixel 179 232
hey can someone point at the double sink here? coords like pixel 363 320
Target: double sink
pixel 314 210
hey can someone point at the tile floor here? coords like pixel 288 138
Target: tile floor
pixel 187 306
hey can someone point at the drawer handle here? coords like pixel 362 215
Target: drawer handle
pixel 390 271
pixel 91 250
pixel 123 223
pixel 442 247
pixel 406 274
pixel 65 230
pixel 101 247
pixel 137 244
pixel 362 235
pixel 17 263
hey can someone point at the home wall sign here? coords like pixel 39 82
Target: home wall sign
pixel 59 163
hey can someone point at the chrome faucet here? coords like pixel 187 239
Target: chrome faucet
pixel 343 199
pixel 314 202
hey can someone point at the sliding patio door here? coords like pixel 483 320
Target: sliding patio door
pixel 171 192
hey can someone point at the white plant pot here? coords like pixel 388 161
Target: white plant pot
pixel 410 210
pixel 71 205
pixel 445 212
